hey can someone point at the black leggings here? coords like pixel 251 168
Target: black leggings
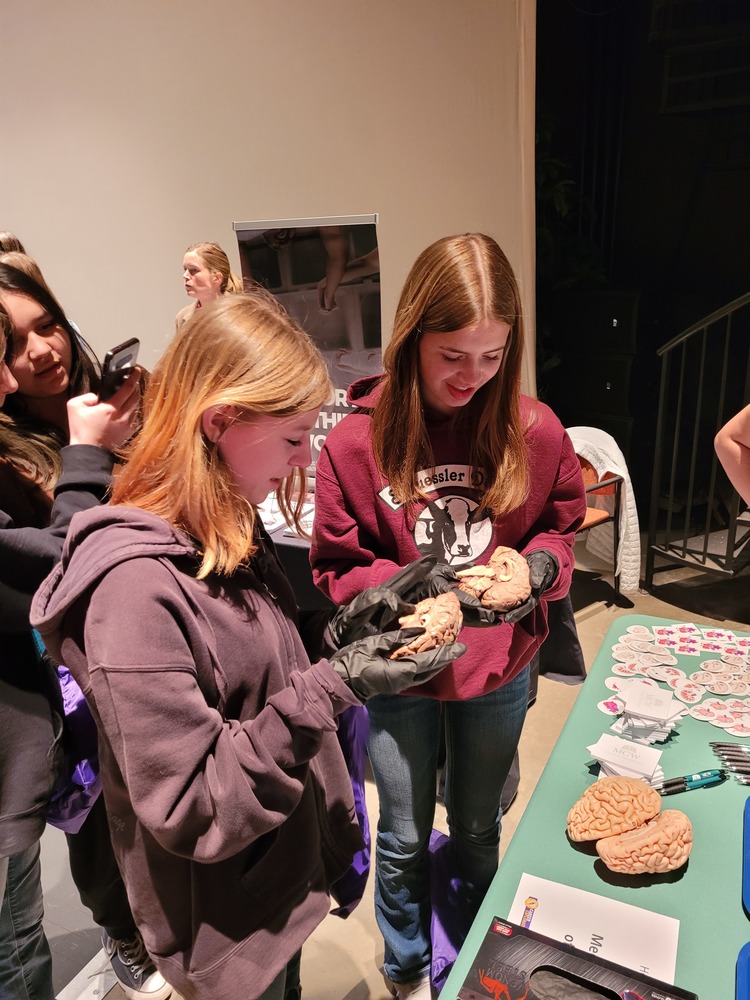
pixel 96 875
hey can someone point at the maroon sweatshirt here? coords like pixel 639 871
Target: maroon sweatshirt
pixel 229 801
pixel 362 536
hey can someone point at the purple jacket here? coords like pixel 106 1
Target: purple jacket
pixel 32 532
pixel 229 801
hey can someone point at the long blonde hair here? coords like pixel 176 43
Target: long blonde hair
pixel 217 261
pixel 456 282
pixel 243 351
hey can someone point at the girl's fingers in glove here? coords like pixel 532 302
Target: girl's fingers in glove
pixel 511 617
pixel 390 606
pixel 426 665
pixel 475 614
pixel 407 578
pixel 366 614
pixel 426 577
pixel 366 668
pixel 386 642
pixel 395 640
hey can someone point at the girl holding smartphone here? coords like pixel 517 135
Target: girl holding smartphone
pixel 57 445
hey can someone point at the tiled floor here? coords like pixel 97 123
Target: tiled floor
pixel 341 960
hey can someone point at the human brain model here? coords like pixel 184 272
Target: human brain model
pixel 502 584
pixel 612 806
pixel 662 844
pixel 633 837
pixel 441 619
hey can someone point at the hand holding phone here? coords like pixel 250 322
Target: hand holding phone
pixel 106 426
pixel 117 364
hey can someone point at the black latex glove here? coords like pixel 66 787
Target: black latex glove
pixel 364 665
pixel 370 613
pixel 543 570
pixel 475 614
pixel 426 577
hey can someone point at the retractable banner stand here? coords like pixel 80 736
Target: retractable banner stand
pixel 326 272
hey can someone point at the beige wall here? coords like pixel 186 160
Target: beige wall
pixel 133 129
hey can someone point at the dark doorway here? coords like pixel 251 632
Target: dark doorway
pixel 643 198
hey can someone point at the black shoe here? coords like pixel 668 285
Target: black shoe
pixel 136 973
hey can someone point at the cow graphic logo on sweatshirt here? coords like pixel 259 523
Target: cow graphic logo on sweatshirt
pixel 449 527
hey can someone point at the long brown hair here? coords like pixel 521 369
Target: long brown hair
pixel 455 283
pixel 10 242
pixel 243 351
pixel 21 498
pixel 31 444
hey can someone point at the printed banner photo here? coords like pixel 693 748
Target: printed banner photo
pixel 326 273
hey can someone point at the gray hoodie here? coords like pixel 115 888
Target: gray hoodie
pixel 229 800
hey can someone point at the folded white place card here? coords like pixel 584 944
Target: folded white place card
pixel 609 771
pixel 636 938
pixel 650 703
pixel 626 757
pixel 649 714
pixel 640 734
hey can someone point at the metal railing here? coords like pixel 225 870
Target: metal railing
pixel 696 518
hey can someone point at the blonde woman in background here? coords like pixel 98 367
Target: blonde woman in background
pixel 207 275
pixel 9 242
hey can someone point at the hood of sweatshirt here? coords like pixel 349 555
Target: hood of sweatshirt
pixel 90 552
pixel 365 392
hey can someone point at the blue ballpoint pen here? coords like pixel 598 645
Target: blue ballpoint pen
pixel 689 781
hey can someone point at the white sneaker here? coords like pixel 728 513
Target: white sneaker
pixel 409 991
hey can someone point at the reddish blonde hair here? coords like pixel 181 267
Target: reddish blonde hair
pixel 243 351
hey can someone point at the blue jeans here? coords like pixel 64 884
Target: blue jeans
pixel 481 738
pixel 25 960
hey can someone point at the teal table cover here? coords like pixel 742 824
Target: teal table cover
pixel 705 895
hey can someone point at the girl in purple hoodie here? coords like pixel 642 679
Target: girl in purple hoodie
pixel 230 804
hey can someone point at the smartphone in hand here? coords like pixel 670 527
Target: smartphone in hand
pixel 117 363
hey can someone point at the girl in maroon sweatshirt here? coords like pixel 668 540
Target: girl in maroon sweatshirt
pixel 444 457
